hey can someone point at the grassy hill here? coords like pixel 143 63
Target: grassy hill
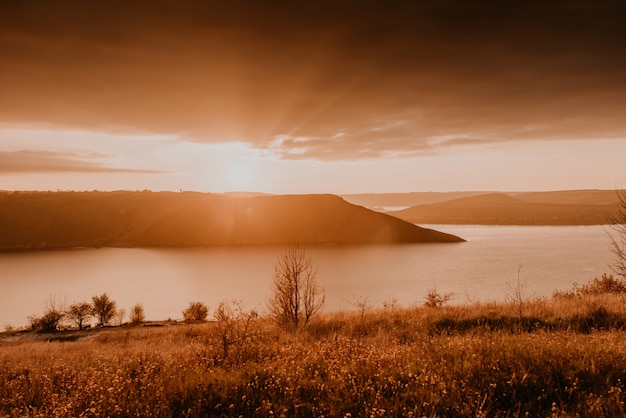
pixel 56 220
pixel 544 208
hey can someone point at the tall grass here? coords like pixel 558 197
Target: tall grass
pixel 563 357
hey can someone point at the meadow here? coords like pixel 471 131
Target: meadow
pixel 560 356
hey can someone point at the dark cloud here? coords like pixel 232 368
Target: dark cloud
pixel 26 161
pixel 323 79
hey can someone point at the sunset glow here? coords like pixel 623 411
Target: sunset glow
pixel 312 208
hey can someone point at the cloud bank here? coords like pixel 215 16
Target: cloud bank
pixel 324 80
pixel 26 161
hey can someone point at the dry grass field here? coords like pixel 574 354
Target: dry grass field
pixel 565 356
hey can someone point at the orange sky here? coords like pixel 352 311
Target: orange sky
pixel 324 96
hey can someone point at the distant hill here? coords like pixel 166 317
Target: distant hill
pixel 570 197
pixel 382 201
pixel 55 220
pixel 544 208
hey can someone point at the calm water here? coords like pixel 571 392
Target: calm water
pixel 166 280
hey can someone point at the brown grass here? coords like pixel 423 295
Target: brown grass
pixel 563 357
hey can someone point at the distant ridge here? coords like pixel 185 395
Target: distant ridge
pixel 380 200
pixel 57 220
pixel 540 208
pixel 570 197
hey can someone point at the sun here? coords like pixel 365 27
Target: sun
pixel 240 177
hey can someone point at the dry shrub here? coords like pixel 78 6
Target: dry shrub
pixel 196 311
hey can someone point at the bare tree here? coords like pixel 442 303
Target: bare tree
pixel 104 309
pixel 618 240
pixel 296 295
pixel 79 313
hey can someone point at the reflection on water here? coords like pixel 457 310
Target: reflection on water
pixel 166 280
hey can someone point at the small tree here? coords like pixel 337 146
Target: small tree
pixel 197 311
pixel 104 309
pixel 618 240
pixel 79 313
pixel 296 294
pixel 137 315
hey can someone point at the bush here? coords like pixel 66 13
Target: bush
pixel 607 284
pixel 48 322
pixel 51 319
pixel 197 311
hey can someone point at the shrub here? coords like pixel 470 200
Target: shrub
pixel 197 311
pixel 48 322
pixel 434 299
pixel 607 284
pixel 51 318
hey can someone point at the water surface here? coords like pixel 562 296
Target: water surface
pixel 166 280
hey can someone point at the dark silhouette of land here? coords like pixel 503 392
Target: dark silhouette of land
pixel 59 220
pixel 578 207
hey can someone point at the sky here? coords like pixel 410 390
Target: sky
pixel 322 96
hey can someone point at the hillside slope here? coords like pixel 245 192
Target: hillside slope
pixel 503 209
pixel 47 220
